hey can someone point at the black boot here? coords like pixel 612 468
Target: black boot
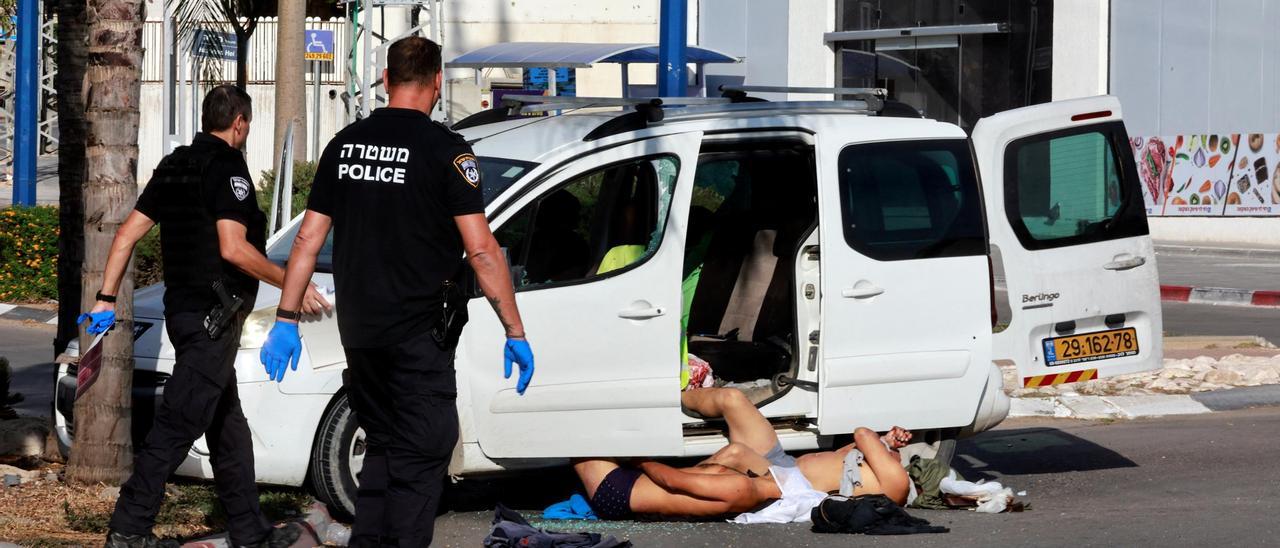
pixel 281 537
pixel 121 540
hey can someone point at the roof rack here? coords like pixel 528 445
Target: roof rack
pixel 650 110
pixel 542 103
pixel 874 97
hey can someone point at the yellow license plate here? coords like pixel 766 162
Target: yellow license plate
pixel 1090 347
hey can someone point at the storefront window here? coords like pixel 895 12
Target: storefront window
pixel 958 77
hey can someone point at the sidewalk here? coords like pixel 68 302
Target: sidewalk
pixel 1199 375
pixel 46 183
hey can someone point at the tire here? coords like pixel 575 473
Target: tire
pixel 336 458
pixel 947 446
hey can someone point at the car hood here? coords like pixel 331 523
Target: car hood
pixel 148 302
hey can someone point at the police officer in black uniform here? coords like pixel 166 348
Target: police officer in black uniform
pixel 403 195
pixel 212 240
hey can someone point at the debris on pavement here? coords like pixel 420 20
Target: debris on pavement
pixel 511 530
pixel 1178 376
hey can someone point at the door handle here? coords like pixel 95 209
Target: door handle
pixel 642 313
pixel 1125 264
pixel 862 292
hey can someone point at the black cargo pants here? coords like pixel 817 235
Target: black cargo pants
pixel 403 397
pixel 199 399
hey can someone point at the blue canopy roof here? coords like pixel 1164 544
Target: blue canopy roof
pixel 574 54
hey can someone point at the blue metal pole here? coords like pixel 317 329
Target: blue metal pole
pixel 672 33
pixel 28 88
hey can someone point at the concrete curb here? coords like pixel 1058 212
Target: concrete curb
pixel 1191 249
pixel 1220 295
pixel 1155 405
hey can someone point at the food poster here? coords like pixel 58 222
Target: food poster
pixel 1209 175
pixel 1255 181
pixel 1200 177
pixel 1155 163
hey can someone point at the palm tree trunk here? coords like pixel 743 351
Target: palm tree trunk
pixel 72 55
pixel 291 97
pixel 103 449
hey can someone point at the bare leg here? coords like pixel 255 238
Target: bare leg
pixel 592 472
pixel 746 425
pixel 740 458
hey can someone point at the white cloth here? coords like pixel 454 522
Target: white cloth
pixel 993 498
pixel 951 486
pixel 798 499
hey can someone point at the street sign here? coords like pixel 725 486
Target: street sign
pixel 319 45
pixel 216 45
pixel 8 31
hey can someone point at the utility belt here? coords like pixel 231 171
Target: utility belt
pixel 454 295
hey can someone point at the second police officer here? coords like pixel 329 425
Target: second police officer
pixel 211 242
pixel 403 196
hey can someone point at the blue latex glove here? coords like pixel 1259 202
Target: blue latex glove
pixel 99 322
pixel 282 350
pixel 518 351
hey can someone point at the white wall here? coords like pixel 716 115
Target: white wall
pixel 1080 48
pixel 1197 66
pixel 780 41
pixel 258 150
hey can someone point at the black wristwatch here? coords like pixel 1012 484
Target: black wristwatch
pixel 106 298
pixel 289 314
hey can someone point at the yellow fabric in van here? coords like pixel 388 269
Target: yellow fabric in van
pixel 620 257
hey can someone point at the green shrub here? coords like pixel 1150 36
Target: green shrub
pixel 28 253
pixel 303 173
pixel 148 267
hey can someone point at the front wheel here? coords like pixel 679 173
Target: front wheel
pixel 337 457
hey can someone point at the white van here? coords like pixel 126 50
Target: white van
pixel 831 262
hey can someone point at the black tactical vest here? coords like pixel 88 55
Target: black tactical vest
pixel 188 230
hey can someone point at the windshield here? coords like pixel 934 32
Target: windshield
pixel 497 175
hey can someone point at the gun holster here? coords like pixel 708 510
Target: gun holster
pixel 223 313
pixel 454 295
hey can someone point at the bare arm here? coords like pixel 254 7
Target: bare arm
pixel 302 261
pixel 135 226
pixel 884 464
pixel 491 270
pixel 715 487
pixel 235 248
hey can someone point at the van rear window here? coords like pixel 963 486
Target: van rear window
pixel 1072 187
pixel 911 200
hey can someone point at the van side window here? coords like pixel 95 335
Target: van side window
pixel 1070 187
pixel 911 200
pixel 599 223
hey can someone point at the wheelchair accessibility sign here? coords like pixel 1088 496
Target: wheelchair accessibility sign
pixel 319 45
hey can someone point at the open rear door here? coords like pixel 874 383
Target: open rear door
pixel 1065 211
pixel 906 336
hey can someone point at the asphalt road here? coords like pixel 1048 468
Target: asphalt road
pixel 1211 270
pixel 29 348
pixel 1206 480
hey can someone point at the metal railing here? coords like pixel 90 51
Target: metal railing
pixel 262 53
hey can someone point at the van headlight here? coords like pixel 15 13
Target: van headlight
pixel 256 327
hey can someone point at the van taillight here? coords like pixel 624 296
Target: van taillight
pixel 1091 115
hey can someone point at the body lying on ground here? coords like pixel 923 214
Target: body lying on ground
pixel 737 478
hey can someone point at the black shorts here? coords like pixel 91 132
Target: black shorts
pixel 613 496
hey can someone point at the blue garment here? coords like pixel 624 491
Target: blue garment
pixel 574 508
